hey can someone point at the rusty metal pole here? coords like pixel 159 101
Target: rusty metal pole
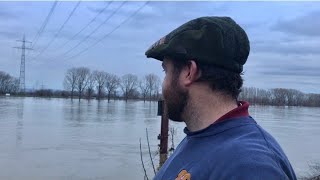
pixel 163 111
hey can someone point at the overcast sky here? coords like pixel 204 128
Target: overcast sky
pixel 284 37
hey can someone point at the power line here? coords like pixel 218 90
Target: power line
pixel 60 29
pixel 44 24
pixel 87 25
pixel 96 29
pixel 108 34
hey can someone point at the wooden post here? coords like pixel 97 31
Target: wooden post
pixel 162 110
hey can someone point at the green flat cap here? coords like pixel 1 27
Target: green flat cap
pixel 218 41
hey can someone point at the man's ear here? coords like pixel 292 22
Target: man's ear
pixel 190 73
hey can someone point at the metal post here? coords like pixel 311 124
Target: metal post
pixel 164 131
pixel 22 80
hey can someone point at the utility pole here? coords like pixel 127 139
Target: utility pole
pixel 22 79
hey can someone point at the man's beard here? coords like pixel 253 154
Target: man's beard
pixel 176 100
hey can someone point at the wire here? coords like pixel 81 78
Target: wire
pixel 87 25
pixel 44 24
pixel 60 29
pixel 108 34
pixel 97 28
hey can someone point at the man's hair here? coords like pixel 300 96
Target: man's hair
pixel 221 80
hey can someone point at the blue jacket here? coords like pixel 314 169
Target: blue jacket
pixel 235 148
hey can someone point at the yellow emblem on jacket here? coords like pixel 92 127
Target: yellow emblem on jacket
pixel 184 175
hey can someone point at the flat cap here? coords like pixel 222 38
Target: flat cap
pixel 217 41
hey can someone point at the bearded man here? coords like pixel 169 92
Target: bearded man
pixel 203 62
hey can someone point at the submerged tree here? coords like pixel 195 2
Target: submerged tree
pixel 100 78
pixel 91 85
pixel 82 79
pixel 70 79
pixel 128 85
pixel 144 88
pixel 153 84
pixel 111 83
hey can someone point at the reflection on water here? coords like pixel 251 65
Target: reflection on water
pixel 64 139
pixel 19 127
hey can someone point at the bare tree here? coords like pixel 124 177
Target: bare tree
pixel 112 83
pixel 100 78
pixel 4 82
pixel 91 85
pixel 294 97
pixel 153 84
pixel 279 96
pixel 313 100
pixel 70 80
pixel 13 85
pixel 314 172
pixel 8 84
pixel 128 85
pixel 144 88
pixel 264 97
pixel 82 77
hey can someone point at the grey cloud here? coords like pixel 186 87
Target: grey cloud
pixel 10 35
pixel 94 9
pixel 292 71
pixel 4 14
pixel 190 7
pixel 307 25
pixel 159 18
pixel 282 66
pixel 177 9
pixel 287 47
pixel 252 25
pixel 126 8
pixel 68 34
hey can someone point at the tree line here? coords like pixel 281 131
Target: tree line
pixel 279 97
pixel 82 82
